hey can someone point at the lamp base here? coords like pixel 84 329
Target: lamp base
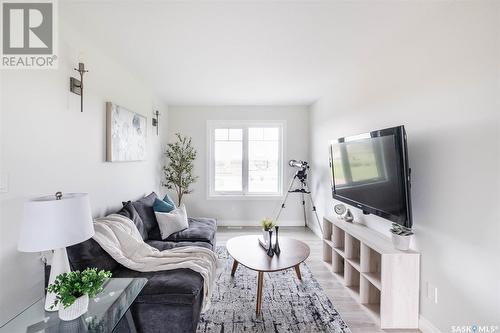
pixel 59 265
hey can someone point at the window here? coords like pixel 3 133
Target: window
pixel 245 158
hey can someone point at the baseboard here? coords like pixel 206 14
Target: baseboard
pixel 426 326
pixel 315 229
pixel 253 223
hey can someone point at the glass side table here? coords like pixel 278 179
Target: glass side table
pixel 108 312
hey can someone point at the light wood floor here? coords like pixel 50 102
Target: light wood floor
pixel 353 313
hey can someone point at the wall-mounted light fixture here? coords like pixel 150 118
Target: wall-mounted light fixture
pixel 155 121
pixel 75 85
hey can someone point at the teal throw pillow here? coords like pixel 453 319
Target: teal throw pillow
pixel 162 206
pixel 169 200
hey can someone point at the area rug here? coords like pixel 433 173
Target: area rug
pixel 289 305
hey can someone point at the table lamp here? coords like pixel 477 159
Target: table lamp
pixel 53 223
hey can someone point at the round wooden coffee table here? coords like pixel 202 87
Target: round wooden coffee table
pixel 246 250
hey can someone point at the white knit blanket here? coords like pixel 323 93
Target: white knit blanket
pixel 119 237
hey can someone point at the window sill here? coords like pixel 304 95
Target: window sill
pixel 276 197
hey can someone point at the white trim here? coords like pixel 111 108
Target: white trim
pixel 256 223
pixel 425 326
pixel 244 158
pixel 270 197
pixel 245 124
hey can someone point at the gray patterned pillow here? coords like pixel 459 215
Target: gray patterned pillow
pixel 144 208
pixel 129 211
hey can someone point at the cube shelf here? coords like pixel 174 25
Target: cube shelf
pixel 384 280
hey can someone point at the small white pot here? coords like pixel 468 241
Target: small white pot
pixel 401 242
pixel 265 234
pixel 75 310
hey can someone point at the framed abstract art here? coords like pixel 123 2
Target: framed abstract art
pixel 125 134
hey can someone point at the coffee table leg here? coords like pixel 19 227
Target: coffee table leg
pixel 297 270
pixel 235 265
pixel 260 284
pixel 130 321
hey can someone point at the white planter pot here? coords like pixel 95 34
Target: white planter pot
pixel 401 242
pixel 75 310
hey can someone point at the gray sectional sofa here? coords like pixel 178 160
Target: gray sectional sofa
pixel 171 301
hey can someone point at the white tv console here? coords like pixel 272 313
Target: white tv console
pixel 383 279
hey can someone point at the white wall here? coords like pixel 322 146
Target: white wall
pixel 192 121
pixel 48 145
pixel 442 83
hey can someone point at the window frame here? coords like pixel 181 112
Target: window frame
pixel 244 125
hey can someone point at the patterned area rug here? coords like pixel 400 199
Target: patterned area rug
pixel 289 305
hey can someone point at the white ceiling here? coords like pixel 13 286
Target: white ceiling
pixel 247 52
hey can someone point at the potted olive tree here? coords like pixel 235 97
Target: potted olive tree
pixel 179 169
pixel 73 290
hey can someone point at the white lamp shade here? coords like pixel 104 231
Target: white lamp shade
pixel 53 224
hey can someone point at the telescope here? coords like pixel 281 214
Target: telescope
pixel 298 164
pixel 302 189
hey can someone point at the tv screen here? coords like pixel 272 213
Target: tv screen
pixel 370 171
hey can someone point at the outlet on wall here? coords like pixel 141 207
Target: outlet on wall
pixel 432 292
pixel 4 183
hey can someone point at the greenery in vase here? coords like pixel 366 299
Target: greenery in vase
pixel 400 230
pixel 179 170
pixel 267 224
pixel 70 286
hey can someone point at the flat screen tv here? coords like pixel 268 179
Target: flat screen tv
pixel 370 171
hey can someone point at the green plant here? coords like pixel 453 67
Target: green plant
pixel 69 286
pixel 267 223
pixel 179 170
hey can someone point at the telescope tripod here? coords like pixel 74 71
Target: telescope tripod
pixel 303 189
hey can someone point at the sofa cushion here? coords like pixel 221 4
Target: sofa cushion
pixel 200 229
pixel 144 208
pixel 178 286
pixel 90 254
pixel 129 211
pixel 164 318
pixel 165 245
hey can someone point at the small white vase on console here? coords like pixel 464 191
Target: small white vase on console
pixel 401 242
pixel 265 235
pixel 401 237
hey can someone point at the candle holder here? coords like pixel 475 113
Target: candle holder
pixel 270 251
pixel 277 249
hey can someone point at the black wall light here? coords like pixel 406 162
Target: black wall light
pixel 155 121
pixel 75 85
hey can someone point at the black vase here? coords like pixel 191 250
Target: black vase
pixel 270 251
pixel 277 249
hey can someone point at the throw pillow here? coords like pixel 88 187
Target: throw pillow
pixel 169 200
pixel 144 208
pixel 129 211
pixel 172 222
pixel 162 206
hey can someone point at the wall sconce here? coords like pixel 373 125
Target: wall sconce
pixel 75 85
pixel 155 121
